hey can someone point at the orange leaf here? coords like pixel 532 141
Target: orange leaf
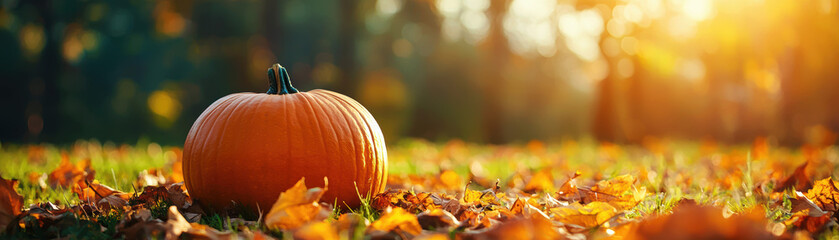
pixel 10 202
pixel 692 221
pixel 397 219
pixel 615 186
pixel 297 206
pixel 517 228
pixel 319 230
pixel 540 181
pixel 68 174
pixel 101 195
pixel 590 215
pixel 825 194
pixel 448 179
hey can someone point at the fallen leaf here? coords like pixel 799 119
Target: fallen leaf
pixel 588 215
pixel 825 194
pixel 692 221
pixel 799 179
pixel 518 228
pixel 437 219
pixel 68 173
pixel 540 181
pixel 297 206
pixel 10 202
pixel 150 177
pixel 318 230
pixel 176 224
pixel 39 178
pixel 449 180
pixel 615 186
pixel 103 196
pixel 397 219
pixel 432 236
pixel 802 203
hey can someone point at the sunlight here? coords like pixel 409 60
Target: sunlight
pixel 388 7
pixel 529 28
pixel 697 10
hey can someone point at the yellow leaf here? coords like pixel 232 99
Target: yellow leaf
pixel 541 181
pixel 824 194
pixel 317 231
pixel 297 206
pixel 615 186
pixel 590 215
pixel 397 219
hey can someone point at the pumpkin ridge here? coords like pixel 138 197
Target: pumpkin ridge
pixel 224 129
pixel 250 111
pixel 347 107
pixel 211 122
pixel 317 121
pixel 323 99
pixel 356 155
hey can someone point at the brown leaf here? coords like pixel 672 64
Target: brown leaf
pixel 518 228
pixel 174 194
pixel 805 221
pixel 800 179
pixel 802 203
pixel 102 196
pixel 397 219
pixel 68 173
pixel 176 224
pixel 297 206
pixel 10 202
pixel 691 221
pixel 437 219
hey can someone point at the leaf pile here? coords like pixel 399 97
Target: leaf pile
pixel 463 191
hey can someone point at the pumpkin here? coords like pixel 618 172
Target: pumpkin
pixel 247 148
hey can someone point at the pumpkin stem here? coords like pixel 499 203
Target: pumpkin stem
pixel 278 72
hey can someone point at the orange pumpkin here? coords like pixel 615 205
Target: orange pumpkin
pixel 249 147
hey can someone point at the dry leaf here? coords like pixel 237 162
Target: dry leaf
pixel 437 219
pixel 150 177
pixel 10 202
pixel 802 203
pixel 518 228
pixel 540 181
pixel 825 194
pixel 318 230
pixel 588 215
pixel 397 219
pixel 103 196
pixel 449 180
pixel 297 206
pixel 799 179
pixel 68 173
pixel 615 186
pixel 691 221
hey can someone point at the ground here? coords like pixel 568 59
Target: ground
pixel 660 189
